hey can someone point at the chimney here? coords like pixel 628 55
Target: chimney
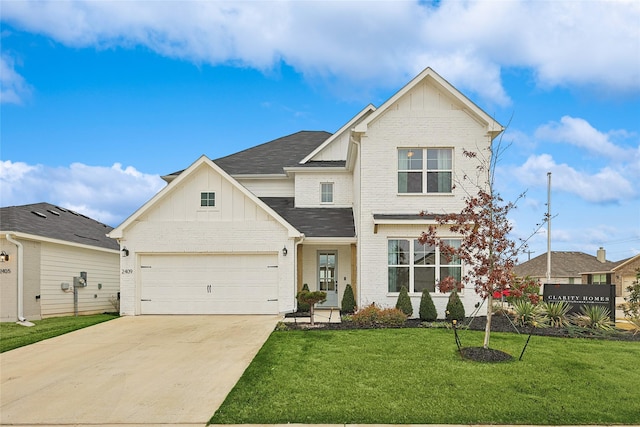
pixel 602 255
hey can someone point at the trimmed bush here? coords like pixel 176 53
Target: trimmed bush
pixel 366 316
pixel 404 302
pixel 392 317
pixel 428 310
pixel 303 307
pixel 348 305
pixel 455 309
pixel 373 316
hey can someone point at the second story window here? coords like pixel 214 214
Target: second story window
pixel 425 170
pixel 326 192
pixel 207 199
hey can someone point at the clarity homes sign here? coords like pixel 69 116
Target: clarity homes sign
pixel 579 295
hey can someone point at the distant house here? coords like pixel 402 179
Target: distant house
pixel 578 267
pixel 244 233
pixel 43 247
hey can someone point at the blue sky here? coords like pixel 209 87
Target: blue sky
pixel 99 99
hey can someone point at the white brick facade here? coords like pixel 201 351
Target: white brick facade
pixel 427 113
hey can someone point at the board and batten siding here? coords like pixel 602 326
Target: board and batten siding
pixel 61 263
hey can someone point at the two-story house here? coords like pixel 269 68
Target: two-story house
pixel 243 233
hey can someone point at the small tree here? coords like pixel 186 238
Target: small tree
pixel 303 307
pixel 455 308
pixel 631 307
pixel 311 298
pixel 428 310
pixel 404 302
pixel 348 305
pixel 485 246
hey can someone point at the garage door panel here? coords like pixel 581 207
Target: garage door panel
pixel 209 284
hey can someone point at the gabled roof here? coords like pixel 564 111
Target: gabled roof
pixel 346 128
pixel 118 231
pixel 563 264
pixel 314 222
pixel 470 107
pixel 53 222
pixel 271 157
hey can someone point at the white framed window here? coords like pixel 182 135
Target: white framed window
pixel 326 192
pixel 417 267
pixel 208 199
pixel 425 170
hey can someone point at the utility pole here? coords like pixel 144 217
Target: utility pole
pixel 548 227
pixel 529 252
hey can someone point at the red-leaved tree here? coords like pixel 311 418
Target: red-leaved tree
pixel 486 249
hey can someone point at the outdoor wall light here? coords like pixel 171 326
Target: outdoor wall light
pixel 284 251
pixel 125 252
pixel 4 256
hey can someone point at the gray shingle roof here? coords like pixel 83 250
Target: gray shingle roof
pixel 271 157
pixel 54 222
pixel 563 264
pixel 314 222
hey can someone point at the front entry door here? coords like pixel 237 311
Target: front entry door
pixel 327 277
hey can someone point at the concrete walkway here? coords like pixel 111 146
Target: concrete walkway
pixel 144 370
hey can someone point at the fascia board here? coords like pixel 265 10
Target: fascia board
pixel 331 240
pixel 316 169
pixel 35 238
pixel 347 127
pixel 495 127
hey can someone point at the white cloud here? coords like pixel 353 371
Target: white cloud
pixel 13 87
pixel 369 44
pixel 604 186
pixel 107 194
pixel 579 132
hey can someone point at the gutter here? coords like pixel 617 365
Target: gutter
pixel 21 319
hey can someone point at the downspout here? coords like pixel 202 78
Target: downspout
pixel 21 318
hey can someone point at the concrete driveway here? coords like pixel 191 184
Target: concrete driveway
pixel 132 370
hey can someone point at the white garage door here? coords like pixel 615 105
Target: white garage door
pixel 209 284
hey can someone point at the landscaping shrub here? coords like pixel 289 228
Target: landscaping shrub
pixel 366 316
pixel 595 317
pixel 526 313
pixel 427 307
pixel 303 307
pixel 372 315
pixel 556 313
pixel 631 307
pixel 392 317
pixel 455 309
pixel 348 305
pixel 404 302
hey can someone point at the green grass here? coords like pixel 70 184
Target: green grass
pixel 14 336
pixel 416 376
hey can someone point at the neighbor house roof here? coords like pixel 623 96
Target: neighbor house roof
pixel 563 264
pixel 272 157
pixel 314 222
pixel 53 222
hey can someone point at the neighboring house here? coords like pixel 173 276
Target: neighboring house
pixel 243 233
pixel 43 248
pixel 578 267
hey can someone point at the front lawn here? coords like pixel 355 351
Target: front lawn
pixel 415 376
pixel 14 336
